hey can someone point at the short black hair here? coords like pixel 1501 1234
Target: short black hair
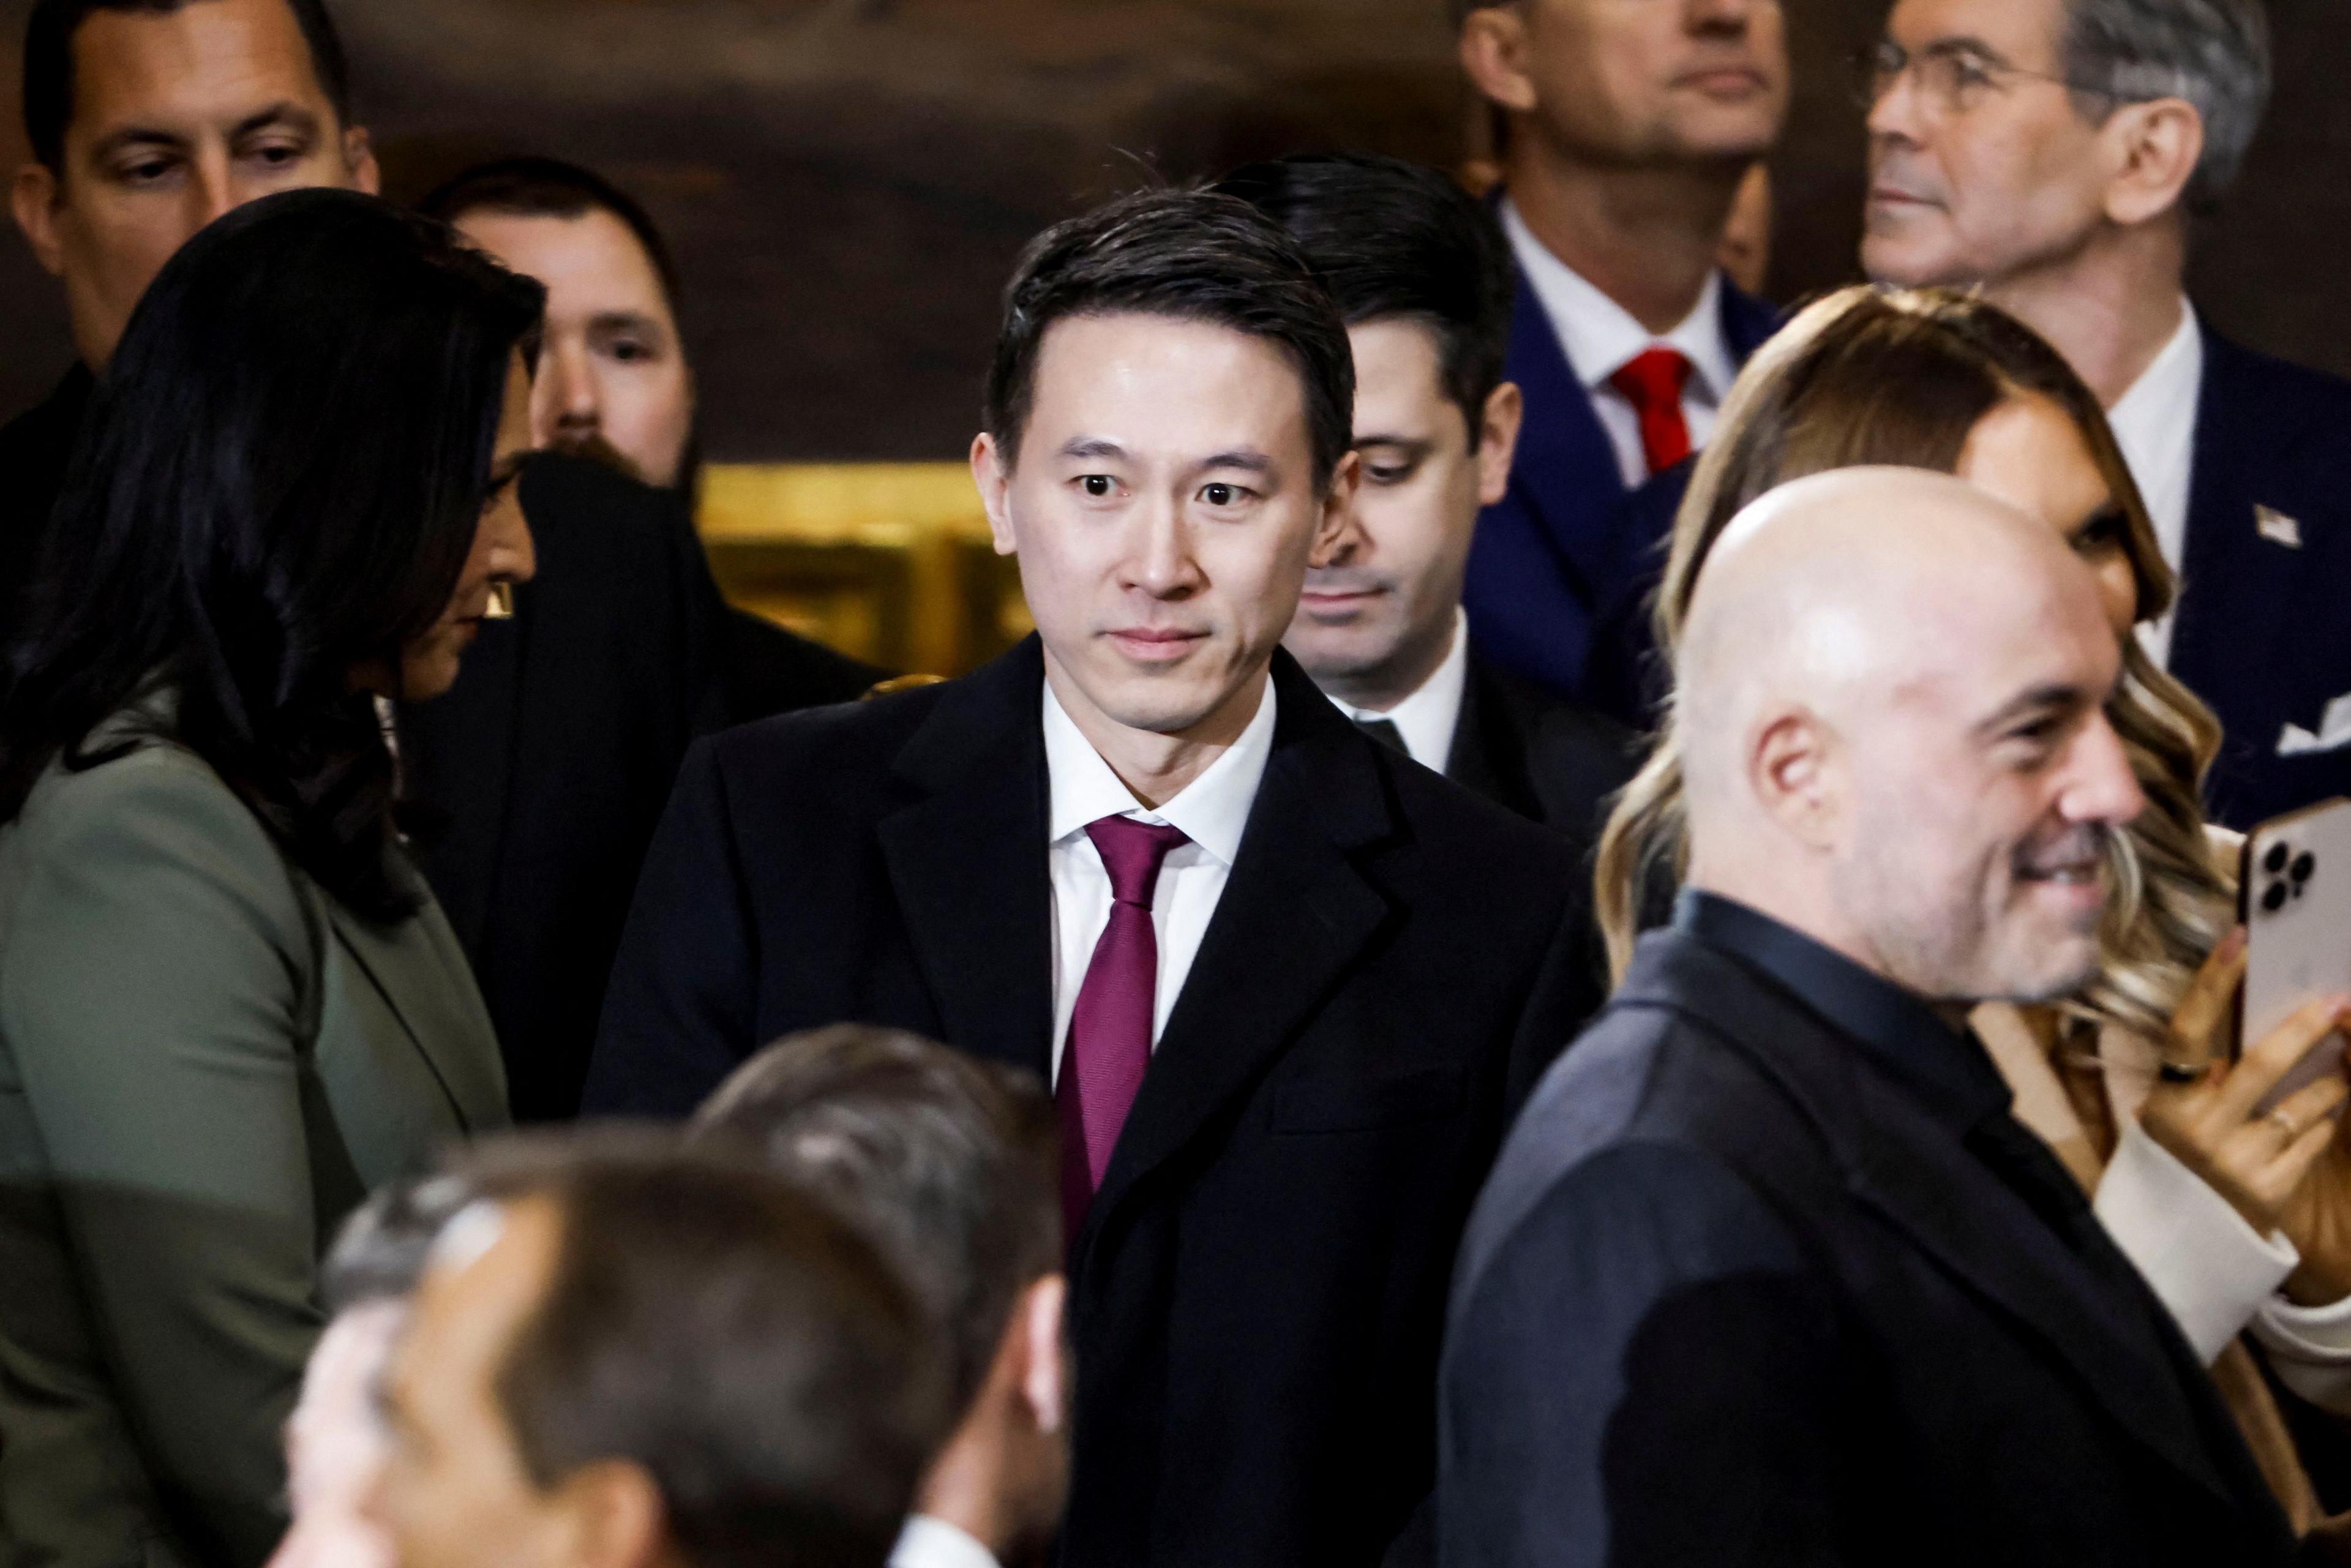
pixel 49 96
pixel 551 188
pixel 715 1324
pixel 1392 240
pixel 1193 256
pixel 951 1164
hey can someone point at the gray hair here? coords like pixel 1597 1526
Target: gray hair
pixel 2213 53
pixel 949 1164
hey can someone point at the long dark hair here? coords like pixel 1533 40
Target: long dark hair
pixel 279 478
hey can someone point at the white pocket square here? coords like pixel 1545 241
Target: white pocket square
pixel 2279 530
pixel 2333 732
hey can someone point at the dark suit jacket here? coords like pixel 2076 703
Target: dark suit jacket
pixel 549 764
pixel 1548 553
pixel 1257 1293
pixel 2264 634
pixel 1740 1293
pixel 1542 757
pixel 34 448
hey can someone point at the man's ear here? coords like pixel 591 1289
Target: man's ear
pixel 358 157
pixel 610 1514
pixel 1795 768
pixel 33 199
pixel 1493 51
pixel 2154 149
pixel 1036 1330
pixel 1338 517
pixel 1497 442
pixel 993 474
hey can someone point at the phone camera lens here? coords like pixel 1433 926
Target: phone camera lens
pixel 2273 863
pixel 2303 864
pixel 2273 897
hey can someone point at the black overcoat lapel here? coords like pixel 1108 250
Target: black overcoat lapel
pixel 968 861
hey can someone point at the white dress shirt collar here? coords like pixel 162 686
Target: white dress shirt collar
pixel 1601 337
pixel 1213 811
pixel 1427 718
pixel 927 1543
pixel 2154 426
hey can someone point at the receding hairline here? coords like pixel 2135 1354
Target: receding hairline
pixel 334 97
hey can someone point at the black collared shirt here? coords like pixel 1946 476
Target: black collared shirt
pixel 1948 1071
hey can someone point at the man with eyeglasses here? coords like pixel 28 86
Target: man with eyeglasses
pixel 2053 152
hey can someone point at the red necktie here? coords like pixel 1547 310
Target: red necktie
pixel 1110 1031
pixel 1652 381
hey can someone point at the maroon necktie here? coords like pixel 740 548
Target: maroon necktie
pixel 1110 1033
pixel 1652 381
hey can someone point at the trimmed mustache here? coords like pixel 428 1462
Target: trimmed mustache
pixel 2082 848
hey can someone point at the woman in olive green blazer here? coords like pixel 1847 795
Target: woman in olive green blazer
pixel 228 1005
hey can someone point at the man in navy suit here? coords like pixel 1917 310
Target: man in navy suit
pixel 1628 130
pixel 2052 151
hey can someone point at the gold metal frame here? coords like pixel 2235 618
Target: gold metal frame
pixel 889 562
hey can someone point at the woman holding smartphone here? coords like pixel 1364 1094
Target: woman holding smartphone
pixel 2238 1216
pixel 228 1004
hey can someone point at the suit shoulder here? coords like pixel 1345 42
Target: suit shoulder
pixel 1495 840
pixel 156 816
pixel 857 740
pixel 1545 715
pixel 2297 412
pixel 154 789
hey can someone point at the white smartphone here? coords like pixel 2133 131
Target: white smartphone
pixel 2295 898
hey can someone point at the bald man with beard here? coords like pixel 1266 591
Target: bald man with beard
pixel 1768 1273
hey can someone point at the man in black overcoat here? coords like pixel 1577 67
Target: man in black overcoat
pixel 1286 985
pixel 1767 1272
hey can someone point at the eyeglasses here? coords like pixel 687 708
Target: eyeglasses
pixel 1951 79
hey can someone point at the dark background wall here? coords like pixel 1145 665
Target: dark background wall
pixel 847 180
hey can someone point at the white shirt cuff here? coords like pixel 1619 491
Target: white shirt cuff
pixel 2310 1350
pixel 927 1543
pixel 2207 1266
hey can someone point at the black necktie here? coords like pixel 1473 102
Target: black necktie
pixel 1385 731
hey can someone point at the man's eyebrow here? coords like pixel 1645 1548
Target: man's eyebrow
pixel 1246 459
pixel 623 321
pixel 1092 447
pixel 2056 696
pixel 135 136
pixel 287 114
pixel 1411 446
pixel 1947 49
